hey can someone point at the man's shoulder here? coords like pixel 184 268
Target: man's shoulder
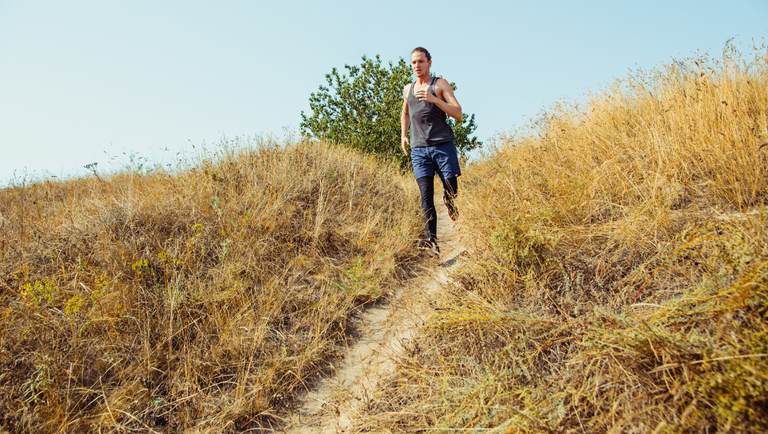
pixel 406 89
pixel 442 82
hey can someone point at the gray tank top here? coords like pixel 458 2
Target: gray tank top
pixel 428 121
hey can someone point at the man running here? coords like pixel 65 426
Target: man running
pixel 426 102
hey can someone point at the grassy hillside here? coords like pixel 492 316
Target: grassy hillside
pixel 619 268
pixel 617 277
pixel 200 300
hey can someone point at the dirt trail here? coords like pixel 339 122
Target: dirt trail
pixel 335 404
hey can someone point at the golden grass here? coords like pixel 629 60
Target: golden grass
pixel 198 301
pixel 618 276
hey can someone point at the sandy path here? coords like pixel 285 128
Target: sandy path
pixel 335 404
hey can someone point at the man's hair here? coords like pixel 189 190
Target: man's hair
pixel 422 50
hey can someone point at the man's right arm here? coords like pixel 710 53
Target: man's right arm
pixel 405 121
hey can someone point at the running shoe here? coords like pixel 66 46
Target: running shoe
pixel 430 246
pixel 453 212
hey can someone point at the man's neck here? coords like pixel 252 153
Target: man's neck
pixel 424 79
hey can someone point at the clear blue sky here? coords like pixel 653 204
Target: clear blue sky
pixel 83 81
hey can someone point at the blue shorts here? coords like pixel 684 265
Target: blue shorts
pixel 441 158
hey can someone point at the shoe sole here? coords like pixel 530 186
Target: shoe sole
pixel 452 215
pixel 431 250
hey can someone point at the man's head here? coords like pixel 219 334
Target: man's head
pixel 422 50
pixel 420 61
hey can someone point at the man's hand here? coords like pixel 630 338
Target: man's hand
pixel 405 143
pixel 424 95
pixel 445 99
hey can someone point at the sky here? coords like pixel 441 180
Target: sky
pixel 86 82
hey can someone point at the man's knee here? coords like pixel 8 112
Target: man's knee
pixel 451 185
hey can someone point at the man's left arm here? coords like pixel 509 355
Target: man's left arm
pixel 447 100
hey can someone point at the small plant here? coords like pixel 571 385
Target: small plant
pixel 358 281
pixel 524 248
pixel 35 386
pixel 81 264
pixel 169 259
pixel 144 271
pixel 34 293
pixel 141 266
pixel 102 282
pixel 195 229
pixel 369 239
pixel 224 248
pixel 21 274
pixel 73 305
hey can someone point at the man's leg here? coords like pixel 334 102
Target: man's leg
pixel 450 191
pixel 427 190
pixel 447 160
pixel 451 186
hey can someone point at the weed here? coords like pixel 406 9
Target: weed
pixel 73 305
pixel 35 386
pixel 34 293
pixel 522 248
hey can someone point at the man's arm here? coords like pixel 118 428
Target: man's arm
pixel 445 98
pixel 405 121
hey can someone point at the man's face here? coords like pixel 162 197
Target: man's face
pixel 420 64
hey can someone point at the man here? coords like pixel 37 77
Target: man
pixel 426 102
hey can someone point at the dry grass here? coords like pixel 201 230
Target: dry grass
pixel 198 301
pixel 619 269
pixel 617 278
